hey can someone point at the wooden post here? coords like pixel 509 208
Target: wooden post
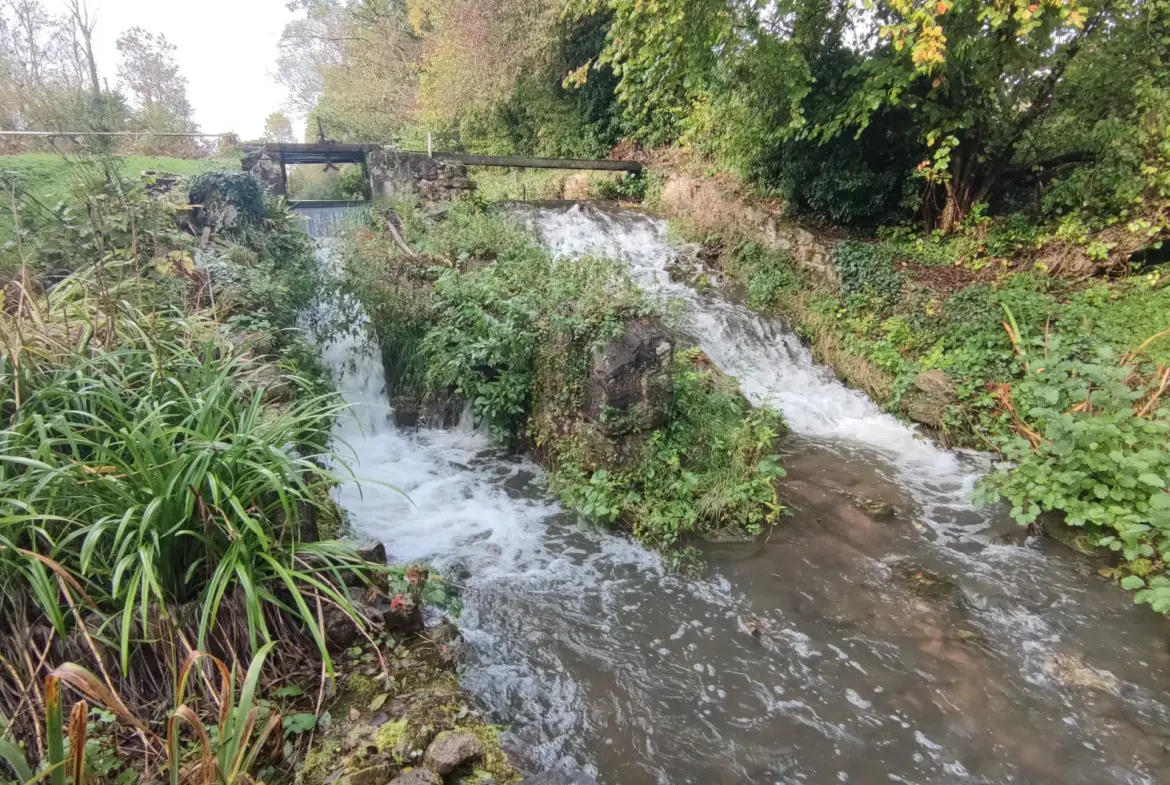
pixel 430 154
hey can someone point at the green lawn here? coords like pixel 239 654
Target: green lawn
pixel 48 175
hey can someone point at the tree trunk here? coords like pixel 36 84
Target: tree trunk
pixel 959 192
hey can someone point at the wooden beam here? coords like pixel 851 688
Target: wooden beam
pixel 540 163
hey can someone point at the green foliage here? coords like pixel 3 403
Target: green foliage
pixel 150 471
pixel 628 188
pixel 217 191
pixel 492 323
pixel 1091 443
pixel 868 269
pixel 770 274
pixel 713 467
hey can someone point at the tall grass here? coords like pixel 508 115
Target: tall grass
pixel 154 495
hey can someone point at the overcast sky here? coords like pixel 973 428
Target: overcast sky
pixel 226 49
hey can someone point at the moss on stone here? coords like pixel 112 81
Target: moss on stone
pixel 319 762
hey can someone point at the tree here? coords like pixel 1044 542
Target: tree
pixel 977 84
pixel 44 74
pixel 278 128
pixel 474 52
pixel 353 65
pixel 149 72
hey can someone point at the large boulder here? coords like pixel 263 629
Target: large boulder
pixel 451 750
pixel 630 387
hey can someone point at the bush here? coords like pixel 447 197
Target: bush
pixel 770 274
pixel 1090 439
pixel 228 200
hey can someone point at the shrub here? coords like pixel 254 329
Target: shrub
pixel 228 200
pixel 1088 438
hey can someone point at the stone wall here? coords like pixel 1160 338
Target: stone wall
pixel 266 169
pixel 714 206
pixel 394 175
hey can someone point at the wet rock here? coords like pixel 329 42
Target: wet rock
pixel 341 631
pixel 371 775
pixel 630 387
pixel 935 382
pixel 369 549
pixel 417 777
pixel 401 615
pixel 926 583
pixel 451 750
pixel 449 642
pixel 924 409
pixel 1069 670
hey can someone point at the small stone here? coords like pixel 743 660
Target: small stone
pixel 935 382
pixel 380 719
pixel 417 777
pixel 452 749
pixel 354 715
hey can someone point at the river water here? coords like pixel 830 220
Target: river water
pixel 921 649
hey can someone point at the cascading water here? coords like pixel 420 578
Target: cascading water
pixel 802 659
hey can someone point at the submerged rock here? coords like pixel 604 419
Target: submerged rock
pixel 451 750
pixel 630 386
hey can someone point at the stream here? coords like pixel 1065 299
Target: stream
pixel 927 648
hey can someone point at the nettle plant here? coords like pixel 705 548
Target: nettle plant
pixel 1091 438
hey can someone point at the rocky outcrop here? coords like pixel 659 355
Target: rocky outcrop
pixel 630 387
pixel 226 201
pixel 451 750
pixel 396 175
